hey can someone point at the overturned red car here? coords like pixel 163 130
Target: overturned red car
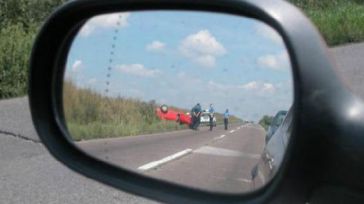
pixel 164 113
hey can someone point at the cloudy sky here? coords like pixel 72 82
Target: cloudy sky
pixel 181 58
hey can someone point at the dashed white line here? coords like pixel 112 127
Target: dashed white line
pixel 235 179
pixel 216 151
pixel 231 131
pixel 157 163
pixel 244 180
pixel 220 137
pixel 261 176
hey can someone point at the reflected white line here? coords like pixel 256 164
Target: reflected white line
pixel 244 180
pixel 235 179
pixel 216 151
pixel 220 137
pixel 155 164
pixel 261 176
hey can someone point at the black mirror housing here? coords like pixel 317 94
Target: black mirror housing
pixel 321 118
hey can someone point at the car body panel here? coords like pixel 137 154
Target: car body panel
pixel 276 122
pixel 273 153
pixel 205 118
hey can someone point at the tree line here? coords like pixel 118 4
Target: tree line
pixel 20 20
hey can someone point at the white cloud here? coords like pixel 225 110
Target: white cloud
pixel 138 70
pixel 202 48
pixel 269 61
pixel 206 60
pixel 105 21
pixel 77 66
pixel 259 87
pixel 268 33
pixel 86 30
pixel 155 46
pixel 269 88
pixel 250 86
pixel 276 62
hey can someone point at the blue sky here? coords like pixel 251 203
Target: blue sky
pixel 181 58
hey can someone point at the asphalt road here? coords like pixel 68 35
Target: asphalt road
pixel 218 160
pixel 28 174
pixel 349 60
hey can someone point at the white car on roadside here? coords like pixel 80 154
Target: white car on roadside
pixel 205 118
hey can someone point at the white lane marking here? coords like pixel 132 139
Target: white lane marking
pixel 231 131
pixel 220 137
pixel 164 160
pixel 224 152
pixel 244 180
pixel 235 179
pixel 261 176
pixel 238 128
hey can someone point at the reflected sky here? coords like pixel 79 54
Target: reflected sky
pixel 181 58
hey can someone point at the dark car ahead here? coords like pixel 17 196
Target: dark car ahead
pixel 274 150
pixel 276 122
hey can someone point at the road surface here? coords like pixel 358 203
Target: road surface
pixel 218 160
pixel 349 60
pixel 30 175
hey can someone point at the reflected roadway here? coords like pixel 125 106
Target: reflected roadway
pixel 220 160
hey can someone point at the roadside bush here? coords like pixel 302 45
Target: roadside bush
pixel 265 121
pixel 15 46
pixel 19 22
pixel 90 115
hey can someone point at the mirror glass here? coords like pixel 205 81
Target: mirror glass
pixel 196 98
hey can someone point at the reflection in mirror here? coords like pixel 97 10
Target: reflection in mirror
pixel 195 98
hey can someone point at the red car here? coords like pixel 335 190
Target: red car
pixel 164 114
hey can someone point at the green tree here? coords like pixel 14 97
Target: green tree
pixel 19 22
pixel 265 121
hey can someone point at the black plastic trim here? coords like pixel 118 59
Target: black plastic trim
pixel 323 132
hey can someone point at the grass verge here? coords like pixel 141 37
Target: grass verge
pixel 339 21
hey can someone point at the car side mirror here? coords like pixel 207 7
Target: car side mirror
pixel 316 91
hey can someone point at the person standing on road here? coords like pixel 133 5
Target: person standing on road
pixel 211 116
pixel 226 118
pixel 198 116
pixel 195 114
